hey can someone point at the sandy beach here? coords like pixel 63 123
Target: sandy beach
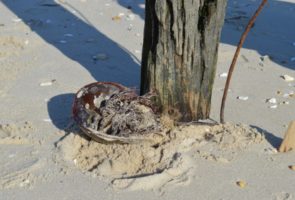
pixel 50 49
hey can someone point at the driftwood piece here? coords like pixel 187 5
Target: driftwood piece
pixel 288 143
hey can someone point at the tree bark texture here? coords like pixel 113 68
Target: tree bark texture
pixel 181 39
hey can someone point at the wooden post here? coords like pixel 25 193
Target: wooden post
pixel 180 49
pixel 288 143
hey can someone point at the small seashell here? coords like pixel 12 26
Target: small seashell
pixel 100 56
pixel 142 6
pixel 273 106
pixel 264 58
pixel 285 103
pixel 241 184
pixel 62 41
pixel 223 75
pixel 292 167
pixel 272 100
pixel 288 78
pixel 17 20
pixel 243 98
pixel 289 94
pixel 47 120
pixel 116 18
pixel 48 83
pixel 68 35
pixel 137 51
pixel 130 17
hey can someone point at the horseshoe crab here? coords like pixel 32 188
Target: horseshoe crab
pixel 110 112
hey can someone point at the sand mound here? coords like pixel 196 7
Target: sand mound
pixel 166 159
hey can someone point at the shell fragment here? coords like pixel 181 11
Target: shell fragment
pixel 47 83
pixel 223 75
pixel 264 58
pixel 241 184
pixel 130 17
pixel 47 120
pixel 243 98
pixel 68 35
pixel 288 78
pixel 100 56
pixel 272 100
pixel 63 41
pixel 273 106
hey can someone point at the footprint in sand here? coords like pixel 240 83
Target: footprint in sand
pixel 18 156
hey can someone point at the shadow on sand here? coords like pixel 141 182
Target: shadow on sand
pixel 271 138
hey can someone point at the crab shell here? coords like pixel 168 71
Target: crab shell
pixel 85 98
pixel 86 95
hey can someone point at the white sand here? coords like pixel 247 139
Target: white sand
pixel 65 44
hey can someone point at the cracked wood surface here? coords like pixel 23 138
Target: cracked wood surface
pixel 180 48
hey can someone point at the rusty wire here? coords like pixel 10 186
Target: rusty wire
pixel 232 66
